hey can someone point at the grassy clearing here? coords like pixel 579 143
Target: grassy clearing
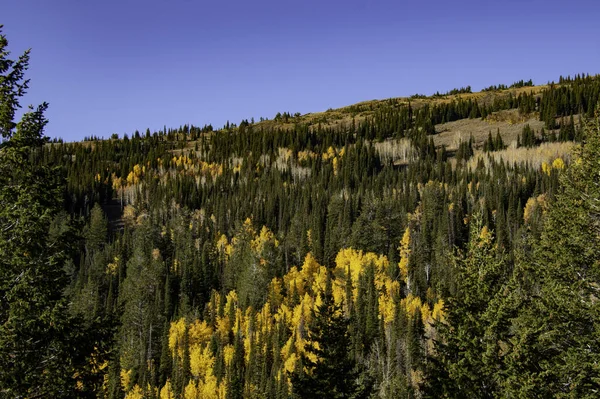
pixel 509 122
pixel 535 156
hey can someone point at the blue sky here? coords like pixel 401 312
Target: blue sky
pixel 116 66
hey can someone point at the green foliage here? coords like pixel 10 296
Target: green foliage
pixel 527 137
pixel 559 327
pixel 494 144
pixel 158 230
pixel 532 334
pixel 333 374
pixel 44 350
pixel 464 362
pixel 465 150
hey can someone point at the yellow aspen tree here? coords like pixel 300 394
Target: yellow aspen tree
pixel 438 311
pixel 201 361
pixel 176 334
pixel 319 279
pixel 284 314
pixel 135 393
pixel 349 257
pixel 412 304
pixel 529 209
pixel 310 268
pixel 228 352
pixel 335 164
pixel 289 364
pixel 264 238
pixel 209 388
pixel 546 168
pixel 199 332
pixel 167 391
pixel 126 379
pixel 404 254
pixel 558 164
pixel 190 392
pixel 387 309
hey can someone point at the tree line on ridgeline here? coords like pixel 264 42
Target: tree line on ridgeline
pixel 294 260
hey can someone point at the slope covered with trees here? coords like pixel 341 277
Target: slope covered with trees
pixel 340 254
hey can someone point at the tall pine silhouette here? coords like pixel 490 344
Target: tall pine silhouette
pixel 333 375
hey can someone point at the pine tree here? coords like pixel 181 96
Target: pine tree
pixel 459 367
pixel 556 349
pixel 44 351
pixel 333 375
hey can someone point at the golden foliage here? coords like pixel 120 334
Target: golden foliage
pixel 532 205
pixel 358 261
pixel 196 167
pixel 190 392
pixel 558 163
pixel 176 335
pixel 126 379
pixel 264 238
pixel 485 237
pixel 210 388
pixel 546 168
pixel 534 156
pixel 223 326
pixel 404 254
pixel 135 393
pixel 199 332
pixel 529 209
pixel 224 247
pixel 228 353
pixel 319 281
pixel 291 304
pixel 329 154
pixel 117 182
pixel 275 292
pixel 113 266
pixel 304 156
pixel 289 364
pixel 201 361
pixel 438 311
pixel 167 392
pixel 129 215
pixel 387 308
pixel 156 254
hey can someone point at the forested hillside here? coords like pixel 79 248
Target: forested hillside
pixel 356 252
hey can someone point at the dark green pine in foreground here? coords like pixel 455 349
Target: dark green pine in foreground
pixel 335 374
pixel 45 352
pixel 530 331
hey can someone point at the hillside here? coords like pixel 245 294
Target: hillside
pixel 246 223
pixel 442 246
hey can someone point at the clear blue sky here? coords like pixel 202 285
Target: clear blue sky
pixel 110 66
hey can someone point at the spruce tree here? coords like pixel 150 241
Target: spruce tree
pixel 556 348
pixel 334 374
pixel 44 350
pixel 459 367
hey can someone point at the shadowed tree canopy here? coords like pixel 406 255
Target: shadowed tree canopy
pixel 44 351
pixel 334 374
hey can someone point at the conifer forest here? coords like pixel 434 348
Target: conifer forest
pixel 368 251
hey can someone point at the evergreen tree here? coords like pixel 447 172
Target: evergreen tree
pixel 334 374
pixel 44 351
pixel 460 367
pixel 556 349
